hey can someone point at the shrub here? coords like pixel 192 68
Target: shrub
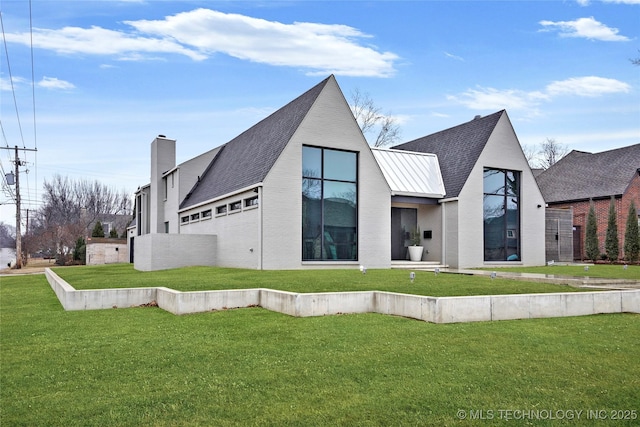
pixel 98 231
pixel 611 244
pixel 80 251
pixel 632 235
pixel 591 238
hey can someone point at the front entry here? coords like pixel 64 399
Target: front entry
pixel 403 220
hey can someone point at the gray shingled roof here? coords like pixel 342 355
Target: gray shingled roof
pixel 580 175
pixel 457 148
pixel 246 159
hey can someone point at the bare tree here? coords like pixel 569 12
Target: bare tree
pixel 550 152
pixel 69 208
pixel 7 235
pixel 530 153
pixel 636 61
pixel 372 120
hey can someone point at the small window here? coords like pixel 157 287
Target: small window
pixel 250 202
pixel 184 220
pixel 206 214
pixel 166 227
pixel 165 189
pixel 221 210
pixel 235 206
pixel 195 216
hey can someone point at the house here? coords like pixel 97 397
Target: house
pixel 580 177
pixel 493 210
pixel 302 189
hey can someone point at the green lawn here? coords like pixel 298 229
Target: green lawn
pixel 210 278
pixel 145 366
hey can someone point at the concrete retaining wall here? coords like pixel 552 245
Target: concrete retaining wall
pixel 426 308
pixel 72 299
pixel 160 251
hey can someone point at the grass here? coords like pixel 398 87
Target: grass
pixel 213 278
pixel 144 366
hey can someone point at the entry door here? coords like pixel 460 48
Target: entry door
pixel 403 220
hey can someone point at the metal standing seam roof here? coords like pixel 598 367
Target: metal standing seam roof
pixel 409 173
pixel 458 149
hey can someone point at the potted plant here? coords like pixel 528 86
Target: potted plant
pixel 416 249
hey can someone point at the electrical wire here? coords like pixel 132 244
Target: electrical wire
pixel 13 90
pixel 33 94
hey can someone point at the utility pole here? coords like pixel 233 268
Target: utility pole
pixel 18 163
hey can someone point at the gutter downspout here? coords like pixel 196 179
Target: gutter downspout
pixel 260 228
pixel 444 235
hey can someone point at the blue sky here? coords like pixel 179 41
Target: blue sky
pixel 108 76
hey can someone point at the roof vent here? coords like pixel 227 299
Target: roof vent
pixel 162 136
pixel 477 117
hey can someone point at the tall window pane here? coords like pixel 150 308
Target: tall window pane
pixel 329 204
pixel 501 215
pixel 339 205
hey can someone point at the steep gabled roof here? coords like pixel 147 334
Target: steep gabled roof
pixel 458 149
pixel 580 175
pixel 246 159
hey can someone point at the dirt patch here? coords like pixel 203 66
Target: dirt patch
pixel 34 266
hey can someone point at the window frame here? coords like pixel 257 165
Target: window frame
pixel 320 241
pixel 508 232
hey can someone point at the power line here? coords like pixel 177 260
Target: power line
pixel 33 96
pixel 13 90
pixel 33 81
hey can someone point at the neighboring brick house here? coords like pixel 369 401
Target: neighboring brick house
pixel 580 177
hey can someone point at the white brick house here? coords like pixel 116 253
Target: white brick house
pixel 302 189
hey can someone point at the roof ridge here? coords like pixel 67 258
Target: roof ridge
pixel 248 157
pixel 457 148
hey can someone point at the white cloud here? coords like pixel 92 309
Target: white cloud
pixel 321 48
pixel 54 83
pixel 198 34
pixel 99 41
pixel 495 99
pixel 489 98
pixel 587 28
pixel 452 56
pixel 590 86
pixel 5 83
pixel 588 2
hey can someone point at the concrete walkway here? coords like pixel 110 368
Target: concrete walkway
pixel 575 281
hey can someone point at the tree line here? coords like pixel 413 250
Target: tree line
pixel 70 210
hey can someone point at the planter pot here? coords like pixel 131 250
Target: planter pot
pixel 415 253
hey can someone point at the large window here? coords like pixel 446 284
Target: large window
pixel 501 215
pixel 329 204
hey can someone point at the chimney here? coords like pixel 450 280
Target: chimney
pixel 477 117
pixel 163 158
